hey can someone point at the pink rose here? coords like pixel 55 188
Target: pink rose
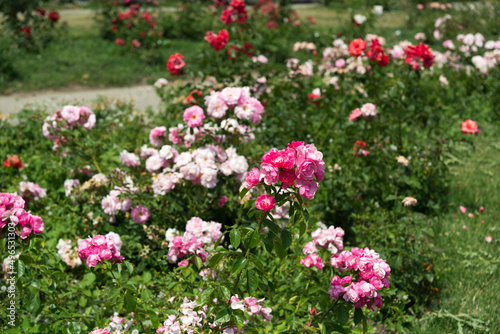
pixel 265 202
pixel 194 116
pixel 253 178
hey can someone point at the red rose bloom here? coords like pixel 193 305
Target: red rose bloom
pixel 26 31
pixel 236 12
pixel 218 42
pixel 54 16
pixel 119 41
pixel 40 11
pixel 416 54
pixel 376 53
pixel 357 47
pixel 272 24
pixel 191 99
pixel 175 64
pixel 13 161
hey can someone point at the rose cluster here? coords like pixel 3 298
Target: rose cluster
pixel 219 41
pixel 68 254
pixel 12 209
pixel 100 248
pixel 252 306
pixel 367 110
pixel 245 106
pixel 330 238
pixel 236 12
pixel 30 190
pixel 187 322
pixel 299 165
pixel 70 118
pixel 13 161
pixel 373 273
pixel 419 54
pixel 198 234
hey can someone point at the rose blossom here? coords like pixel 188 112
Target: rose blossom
pixel 265 202
pixel 140 214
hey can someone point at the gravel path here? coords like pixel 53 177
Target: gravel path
pixel 143 96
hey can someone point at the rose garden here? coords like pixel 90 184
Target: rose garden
pixel 312 168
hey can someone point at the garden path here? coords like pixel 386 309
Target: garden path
pixel 143 96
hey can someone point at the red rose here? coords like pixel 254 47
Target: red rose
pixel 357 47
pixel 26 31
pixel 218 42
pixel 119 41
pixel 175 64
pixel 376 53
pixel 416 54
pixel 54 16
pixel 13 161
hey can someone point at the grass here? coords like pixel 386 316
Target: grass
pixel 469 266
pixel 82 58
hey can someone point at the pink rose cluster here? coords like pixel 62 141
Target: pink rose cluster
pixel 12 213
pixel 367 110
pixel 100 331
pixel 245 106
pixel 30 190
pixel 198 234
pixel 373 273
pixel 330 238
pixel 188 322
pixel 112 203
pixel 299 165
pixel 70 118
pixel 199 166
pixel 252 306
pixel 100 248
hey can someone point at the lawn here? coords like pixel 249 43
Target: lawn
pixel 469 266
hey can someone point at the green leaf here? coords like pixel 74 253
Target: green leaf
pixel 222 316
pixel 342 315
pixel 280 251
pixel 34 303
pixel 130 267
pixel 302 226
pixel 225 292
pixel 119 268
pixel 129 302
pixel 235 237
pixel 252 281
pixel 154 319
pixel 272 226
pixel 258 263
pixel 215 259
pixel 243 192
pixel 358 315
pixel 238 265
pixel 198 262
pixel 74 328
pixel 205 295
pixel 88 279
pixel 268 242
pixel 252 239
pixel 286 238
pixel 365 324
pixel 20 268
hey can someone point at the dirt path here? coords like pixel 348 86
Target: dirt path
pixel 143 96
